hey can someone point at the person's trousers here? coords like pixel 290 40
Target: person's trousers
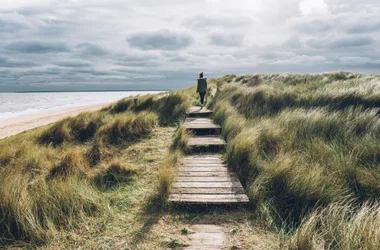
pixel 202 95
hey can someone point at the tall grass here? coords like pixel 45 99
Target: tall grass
pixel 339 226
pixel 52 179
pixel 303 142
pixel 166 173
pixel 127 127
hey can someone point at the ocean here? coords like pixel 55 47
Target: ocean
pixel 20 104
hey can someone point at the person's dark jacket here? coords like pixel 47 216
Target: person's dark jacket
pixel 202 85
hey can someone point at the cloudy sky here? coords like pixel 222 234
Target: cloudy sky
pixel 163 44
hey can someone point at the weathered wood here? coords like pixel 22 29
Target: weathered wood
pixel 212 179
pixel 199 120
pixel 199 112
pixel 204 165
pixel 223 190
pixel 206 184
pixel 201 126
pixel 204 174
pixel 204 178
pixel 204 156
pixel 206 162
pixel 209 198
pixel 203 169
pixel 205 140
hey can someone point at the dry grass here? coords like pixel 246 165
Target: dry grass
pixel 166 173
pixel 304 142
pixel 56 177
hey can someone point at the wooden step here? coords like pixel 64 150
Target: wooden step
pixel 202 126
pixel 199 112
pixel 209 198
pixel 205 144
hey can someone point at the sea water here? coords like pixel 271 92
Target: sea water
pixel 20 104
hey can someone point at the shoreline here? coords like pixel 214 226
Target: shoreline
pixel 17 125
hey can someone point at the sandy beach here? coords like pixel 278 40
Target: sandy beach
pixel 13 126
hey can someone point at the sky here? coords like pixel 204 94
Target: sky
pixel 55 45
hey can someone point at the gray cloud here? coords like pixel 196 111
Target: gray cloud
pixel 229 40
pixel 339 43
pixel 313 26
pixel 207 22
pixel 73 64
pixel 11 63
pixel 37 47
pixel 364 27
pixel 160 40
pixel 90 49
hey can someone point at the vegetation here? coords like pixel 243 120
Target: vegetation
pixel 55 178
pixel 306 148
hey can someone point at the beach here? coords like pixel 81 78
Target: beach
pixel 16 125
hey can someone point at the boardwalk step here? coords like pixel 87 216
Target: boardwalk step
pixel 199 112
pixel 204 178
pixel 209 198
pixel 202 126
pixel 207 191
pixel 202 144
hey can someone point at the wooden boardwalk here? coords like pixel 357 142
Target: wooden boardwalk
pixel 203 178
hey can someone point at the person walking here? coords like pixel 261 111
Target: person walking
pixel 202 88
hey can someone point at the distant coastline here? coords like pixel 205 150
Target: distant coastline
pixel 76 91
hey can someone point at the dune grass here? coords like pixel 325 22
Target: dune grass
pixel 304 142
pixel 55 178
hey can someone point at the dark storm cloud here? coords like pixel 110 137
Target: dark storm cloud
pixel 228 40
pixel 37 47
pixel 353 41
pixel 160 40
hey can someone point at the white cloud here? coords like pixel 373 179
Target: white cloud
pixel 314 7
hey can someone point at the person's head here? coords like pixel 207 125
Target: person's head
pixel 201 75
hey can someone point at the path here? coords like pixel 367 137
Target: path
pixel 203 177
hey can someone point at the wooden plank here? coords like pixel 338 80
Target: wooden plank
pixel 211 162
pixel 202 126
pixel 206 184
pixel 206 179
pixel 209 198
pixel 196 141
pixel 199 120
pixel 206 165
pixel 204 174
pixel 199 110
pixel 207 191
pixel 204 156
pixel 203 169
